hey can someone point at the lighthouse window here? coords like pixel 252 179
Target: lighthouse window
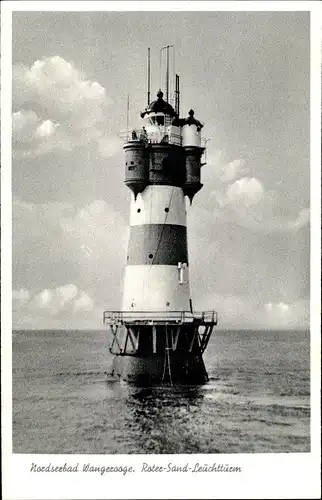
pixel 138 210
pixel 166 209
pixel 132 162
pixel 150 255
pixel 160 120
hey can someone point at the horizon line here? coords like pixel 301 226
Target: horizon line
pixel 302 329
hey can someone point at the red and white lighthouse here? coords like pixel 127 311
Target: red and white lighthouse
pixel 157 336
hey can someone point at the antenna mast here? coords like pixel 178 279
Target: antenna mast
pixel 167 76
pixel 167 69
pixel 177 95
pixel 149 76
pixel 127 114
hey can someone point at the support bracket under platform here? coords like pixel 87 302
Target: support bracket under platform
pixel 149 333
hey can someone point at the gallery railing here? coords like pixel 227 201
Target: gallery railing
pixel 151 317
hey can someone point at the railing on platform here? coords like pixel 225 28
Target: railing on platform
pixel 155 137
pixel 153 317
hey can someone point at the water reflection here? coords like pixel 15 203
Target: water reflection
pixel 161 418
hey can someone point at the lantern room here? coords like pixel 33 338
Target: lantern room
pixel 159 120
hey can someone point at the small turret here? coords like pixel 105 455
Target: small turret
pixel 191 141
pixel 136 165
pixel 191 131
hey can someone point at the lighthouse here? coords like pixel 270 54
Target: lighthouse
pixel 157 336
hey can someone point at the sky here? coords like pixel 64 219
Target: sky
pixel 246 75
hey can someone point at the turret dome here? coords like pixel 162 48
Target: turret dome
pixel 191 120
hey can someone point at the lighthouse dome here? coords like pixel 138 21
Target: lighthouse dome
pixel 159 106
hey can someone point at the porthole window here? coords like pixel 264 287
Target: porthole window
pixel 166 209
pixel 132 162
pixel 150 255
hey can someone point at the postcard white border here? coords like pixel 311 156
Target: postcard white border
pixel 263 475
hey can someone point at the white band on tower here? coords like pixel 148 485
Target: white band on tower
pixel 159 204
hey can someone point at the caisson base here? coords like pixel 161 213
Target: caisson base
pixel 156 370
pixel 153 352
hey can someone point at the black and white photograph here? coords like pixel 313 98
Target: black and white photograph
pixel 161 238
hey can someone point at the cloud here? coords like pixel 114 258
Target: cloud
pixel 61 231
pixel 52 241
pixel 236 311
pixel 51 305
pixel 56 300
pixel 280 314
pixel 24 124
pixel 301 220
pixel 245 192
pixel 57 109
pixel 83 302
pixel 280 307
pixel 245 200
pixel 46 129
pixel 247 203
pixel 241 201
pixel 58 86
pixel 218 169
pixel 232 170
pixel 30 134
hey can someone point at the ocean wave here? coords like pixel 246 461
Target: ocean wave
pixel 267 422
pixel 80 373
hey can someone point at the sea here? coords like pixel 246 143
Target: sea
pixel 256 401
